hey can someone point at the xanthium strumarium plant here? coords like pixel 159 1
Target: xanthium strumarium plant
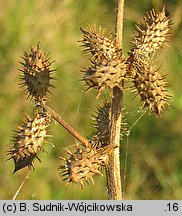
pixel 108 69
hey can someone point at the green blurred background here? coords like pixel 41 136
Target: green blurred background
pixel 154 168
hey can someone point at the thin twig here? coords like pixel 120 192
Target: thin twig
pixel 113 169
pixel 20 187
pixel 61 121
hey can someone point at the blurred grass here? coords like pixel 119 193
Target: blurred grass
pixel 154 145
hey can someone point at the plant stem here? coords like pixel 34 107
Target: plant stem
pixel 61 121
pixel 113 168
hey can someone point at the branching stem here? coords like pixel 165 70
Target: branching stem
pixel 61 121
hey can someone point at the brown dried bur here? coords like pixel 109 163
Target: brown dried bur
pixel 29 140
pixel 151 87
pixel 99 43
pixel 83 164
pixel 108 67
pixel 148 83
pixel 36 73
pixel 152 35
pixel 105 75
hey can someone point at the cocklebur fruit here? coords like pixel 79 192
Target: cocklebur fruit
pixel 105 75
pixel 83 164
pixel 153 34
pixel 102 124
pixel 108 68
pixel 99 43
pixel 102 121
pixel 151 86
pixel 28 141
pixel 36 74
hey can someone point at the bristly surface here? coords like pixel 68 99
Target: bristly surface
pixel 83 164
pixel 151 87
pixel 105 75
pixel 108 68
pixel 151 36
pixel 102 124
pixel 28 140
pixel 102 121
pixel 99 43
pixel 36 74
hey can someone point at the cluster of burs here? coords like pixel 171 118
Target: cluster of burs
pixel 108 68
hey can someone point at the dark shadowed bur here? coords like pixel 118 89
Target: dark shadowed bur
pixel 28 141
pixel 102 124
pixel 83 164
pixel 36 73
pixel 108 68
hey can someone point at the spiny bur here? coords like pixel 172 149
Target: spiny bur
pixel 153 34
pixel 105 75
pixel 102 121
pixel 102 124
pixel 151 87
pixel 83 164
pixel 99 43
pixel 28 141
pixel 36 73
pixel 108 67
